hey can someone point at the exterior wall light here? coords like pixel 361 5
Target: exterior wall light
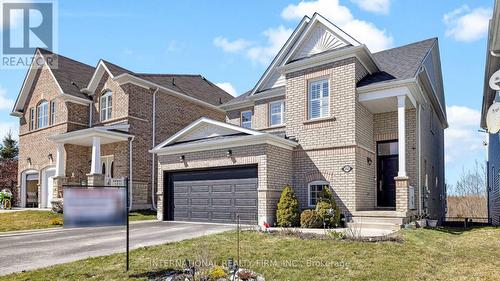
pixel 28 160
pixel 182 158
pixel 229 153
pixel 51 158
pixel 369 161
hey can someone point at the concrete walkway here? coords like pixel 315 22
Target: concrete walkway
pixel 15 209
pixel 35 249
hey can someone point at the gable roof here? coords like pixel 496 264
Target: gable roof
pixel 399 63
pixel 206 134
pixel 311 37
pixel 70 76
pixel 191 85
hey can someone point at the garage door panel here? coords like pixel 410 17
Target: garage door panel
pixel 200 188
pixel 218 200
pixel 226 202
pixel 200 201
pixel 222 188
pixel 245 188
pixel 245 202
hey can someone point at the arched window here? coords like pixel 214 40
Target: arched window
pixel 314 191
pixel 106 105
pixel 42 111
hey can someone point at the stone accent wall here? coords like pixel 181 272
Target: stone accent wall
pixel 273 165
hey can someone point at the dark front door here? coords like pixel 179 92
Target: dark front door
pixel 387 170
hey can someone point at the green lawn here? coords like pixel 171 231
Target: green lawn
pixel 25 220
pixel 425 255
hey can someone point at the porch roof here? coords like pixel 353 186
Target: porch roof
pixel 84 137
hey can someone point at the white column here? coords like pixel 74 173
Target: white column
pixel 60 160
pixel 95 167
pixel 401 136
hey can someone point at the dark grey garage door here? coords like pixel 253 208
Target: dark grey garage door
pixel 215 195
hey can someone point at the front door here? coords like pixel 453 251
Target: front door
pixel 107 166
pixel 387 170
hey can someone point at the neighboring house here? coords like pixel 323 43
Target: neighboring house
pixel 94 125
pixel 491 96
pixel 326 113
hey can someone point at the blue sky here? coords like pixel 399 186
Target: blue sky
pixel 231 42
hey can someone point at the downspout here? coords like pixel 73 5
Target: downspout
pixel 91 105
pixel 153 158
pixel 419 147
pixel 494 53
pixel 131 139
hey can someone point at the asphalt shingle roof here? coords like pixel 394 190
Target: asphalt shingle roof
pixel 399 63
pixel 71 75
pixel 395 64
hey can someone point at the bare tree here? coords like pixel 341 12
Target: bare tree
pixel 467 198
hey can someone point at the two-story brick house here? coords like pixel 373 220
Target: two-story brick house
pixel 94 125
pixel 326 112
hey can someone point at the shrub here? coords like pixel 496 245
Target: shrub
pixel 217 273
pixel 288 209
pixel 326 201
pixel 310 219
pixel 56 221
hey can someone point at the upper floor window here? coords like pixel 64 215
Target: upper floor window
pixel 246 119
pixel 52 112
pixel 106 105
pixel 32 119
pixel 42 114
pixel 276 113
pixel 318 98
pixel 315 188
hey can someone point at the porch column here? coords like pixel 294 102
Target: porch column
pixel 60 153
pixel 401 136
pixel 95 167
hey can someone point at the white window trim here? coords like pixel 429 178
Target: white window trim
pixel 309 190
pixel 32 118
pixel 251 118
pixel 309 84
pixel 43 117
pixel 107 108
pixel 282 105
pixel 52 112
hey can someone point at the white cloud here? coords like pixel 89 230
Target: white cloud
pixel 365 32
pixel 276 38
pixel 462 140
pixel 374 6
pixel 5 102
pixel 466 25
pixel 231 46
pixel 228 87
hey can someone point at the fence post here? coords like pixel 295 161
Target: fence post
pixel 465 223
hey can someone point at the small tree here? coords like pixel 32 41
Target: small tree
pixel 288 209
pixel 327 208
pixel 9 148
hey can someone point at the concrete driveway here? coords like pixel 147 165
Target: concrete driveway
pixel 35 249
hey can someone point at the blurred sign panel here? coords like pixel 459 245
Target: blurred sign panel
pixel 89 207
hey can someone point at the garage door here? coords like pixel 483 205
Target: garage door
pixel 214 195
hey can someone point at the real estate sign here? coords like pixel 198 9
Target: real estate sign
pixel 90 207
